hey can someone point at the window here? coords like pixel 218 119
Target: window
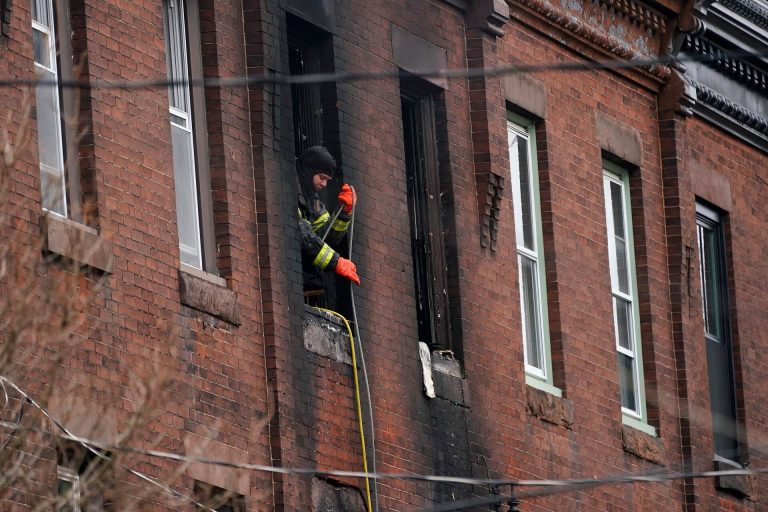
pixel 530 253
pixel 194 211
pixel 80 478
pixel 418 102
pixel 717 331
pixel 316 123
pixel 218 499
pixel 626 315
pixel 52 64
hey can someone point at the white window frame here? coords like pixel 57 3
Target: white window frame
pixel 51 73
pixel 537 376
pixel 65 474
pixel 191 251
pixel 613 174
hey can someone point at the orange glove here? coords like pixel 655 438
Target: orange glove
pixel 346 268
pixel 347 198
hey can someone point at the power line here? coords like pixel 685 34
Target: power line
pixel 89 445
pixel 358 76
pixel 545 486
pixel 544 483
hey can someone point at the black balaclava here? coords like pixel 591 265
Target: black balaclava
pixel 313 160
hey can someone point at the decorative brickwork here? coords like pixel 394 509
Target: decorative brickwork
pixel 638 13
pixel 582 28
pixel 751 10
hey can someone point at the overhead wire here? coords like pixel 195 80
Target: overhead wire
pixel 551 485
pixel 89 445
pixel 357 76
pixel 364 369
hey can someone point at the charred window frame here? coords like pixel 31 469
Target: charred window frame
pixel 56 109
pixel 713 273
pixel 189 136
pixel 315 115
pixel 217 498
pixel 419 103
pixel 316 123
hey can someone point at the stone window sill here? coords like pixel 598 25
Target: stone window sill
pixel 642 444
pixel 326 335
pixel 741 486
pixel 549 407
pixel 207 293
pixel 76 242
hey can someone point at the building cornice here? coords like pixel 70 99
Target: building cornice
pixel 748 9
pixel 637 13
pixel 722 61
pixel 722 104
pixel 584 30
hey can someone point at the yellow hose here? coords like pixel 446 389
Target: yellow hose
pixel 357 403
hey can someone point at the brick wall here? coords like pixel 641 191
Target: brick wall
pixel 245 379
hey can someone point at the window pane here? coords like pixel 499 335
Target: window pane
pixel 617 204
pixel 526 202
pixel 50 149
pixel 176 50
pixel 522 193
pixel 627 382
pixel 622 271
pixel 530 314
pixel 623 323
pixel 41 47
pixel 186 197
pixel 710 279
pixel 41 12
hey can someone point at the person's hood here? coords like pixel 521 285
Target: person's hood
pixel 313 160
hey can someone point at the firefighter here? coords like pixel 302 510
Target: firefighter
pixel 315 168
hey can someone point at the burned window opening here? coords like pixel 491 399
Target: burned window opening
pixel 419 105
pixel 316 123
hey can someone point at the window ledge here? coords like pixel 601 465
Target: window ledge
pixel 537 383
pixel 549 407
pixel 742 486
pixel 446 375
pixel 207 293
pixel 76 241
pixel 326 335
pixel 642 443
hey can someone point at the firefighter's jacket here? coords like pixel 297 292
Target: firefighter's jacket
pixel 319 256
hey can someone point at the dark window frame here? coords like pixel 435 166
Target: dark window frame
pixel 727 445
pixel 316 122
pixel 420 140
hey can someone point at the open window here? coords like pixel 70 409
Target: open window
pixel 315 123
pixel 420 102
